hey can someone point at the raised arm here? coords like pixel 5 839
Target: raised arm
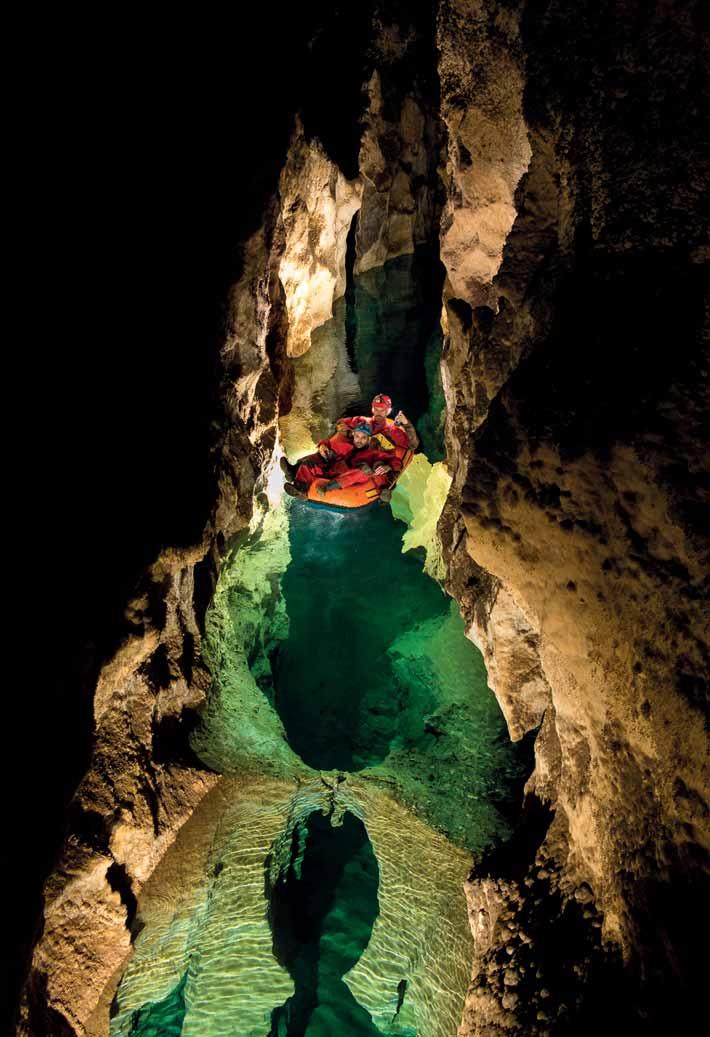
pixel 403 422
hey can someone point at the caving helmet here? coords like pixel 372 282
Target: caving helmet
pixel 382 400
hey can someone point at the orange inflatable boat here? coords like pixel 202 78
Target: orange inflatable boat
pixel 358 496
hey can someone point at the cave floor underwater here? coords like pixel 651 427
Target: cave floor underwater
pixel 319 890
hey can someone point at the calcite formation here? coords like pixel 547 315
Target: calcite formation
pixel 418 500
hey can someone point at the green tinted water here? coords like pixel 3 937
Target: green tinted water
pixel 162 1018
pixel 322 911
pixel 350 593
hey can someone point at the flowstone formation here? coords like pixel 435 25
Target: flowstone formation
pixel 317 206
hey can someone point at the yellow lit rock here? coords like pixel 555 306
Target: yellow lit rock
pixel 418 500
pixel 317 207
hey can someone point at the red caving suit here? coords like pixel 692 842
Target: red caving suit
pixel 372 457
pixel 313 466
pixel 386 426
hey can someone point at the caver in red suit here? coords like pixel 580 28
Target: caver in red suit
pixel 386 426
pixel 380 424
pixel 315 466
pixel 373 458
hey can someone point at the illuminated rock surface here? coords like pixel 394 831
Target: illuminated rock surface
pixel 317 207
pixel 575 533
pixel 481 79
pixel 418 499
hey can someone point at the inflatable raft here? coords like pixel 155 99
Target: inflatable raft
pixel 358 496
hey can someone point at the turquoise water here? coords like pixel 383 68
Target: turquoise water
pixel 350 592
pixel 161 1018
pixel 321 913
pixel 376 673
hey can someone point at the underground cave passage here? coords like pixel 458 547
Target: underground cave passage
pixel 364 756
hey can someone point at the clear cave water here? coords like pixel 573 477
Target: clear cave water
pixel 162 1018
pixel 337 657
pixel 322 910
pixel 345 698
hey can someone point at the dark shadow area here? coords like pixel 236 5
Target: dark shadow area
pixel 561 952
pixel 322 910
pixel 350 295
pixel 393 331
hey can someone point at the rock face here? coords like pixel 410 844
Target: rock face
pixel 317 207
pixel 398 166
pixel 577 395
pixel 401 144
pixel 141 786
pixel 481 76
